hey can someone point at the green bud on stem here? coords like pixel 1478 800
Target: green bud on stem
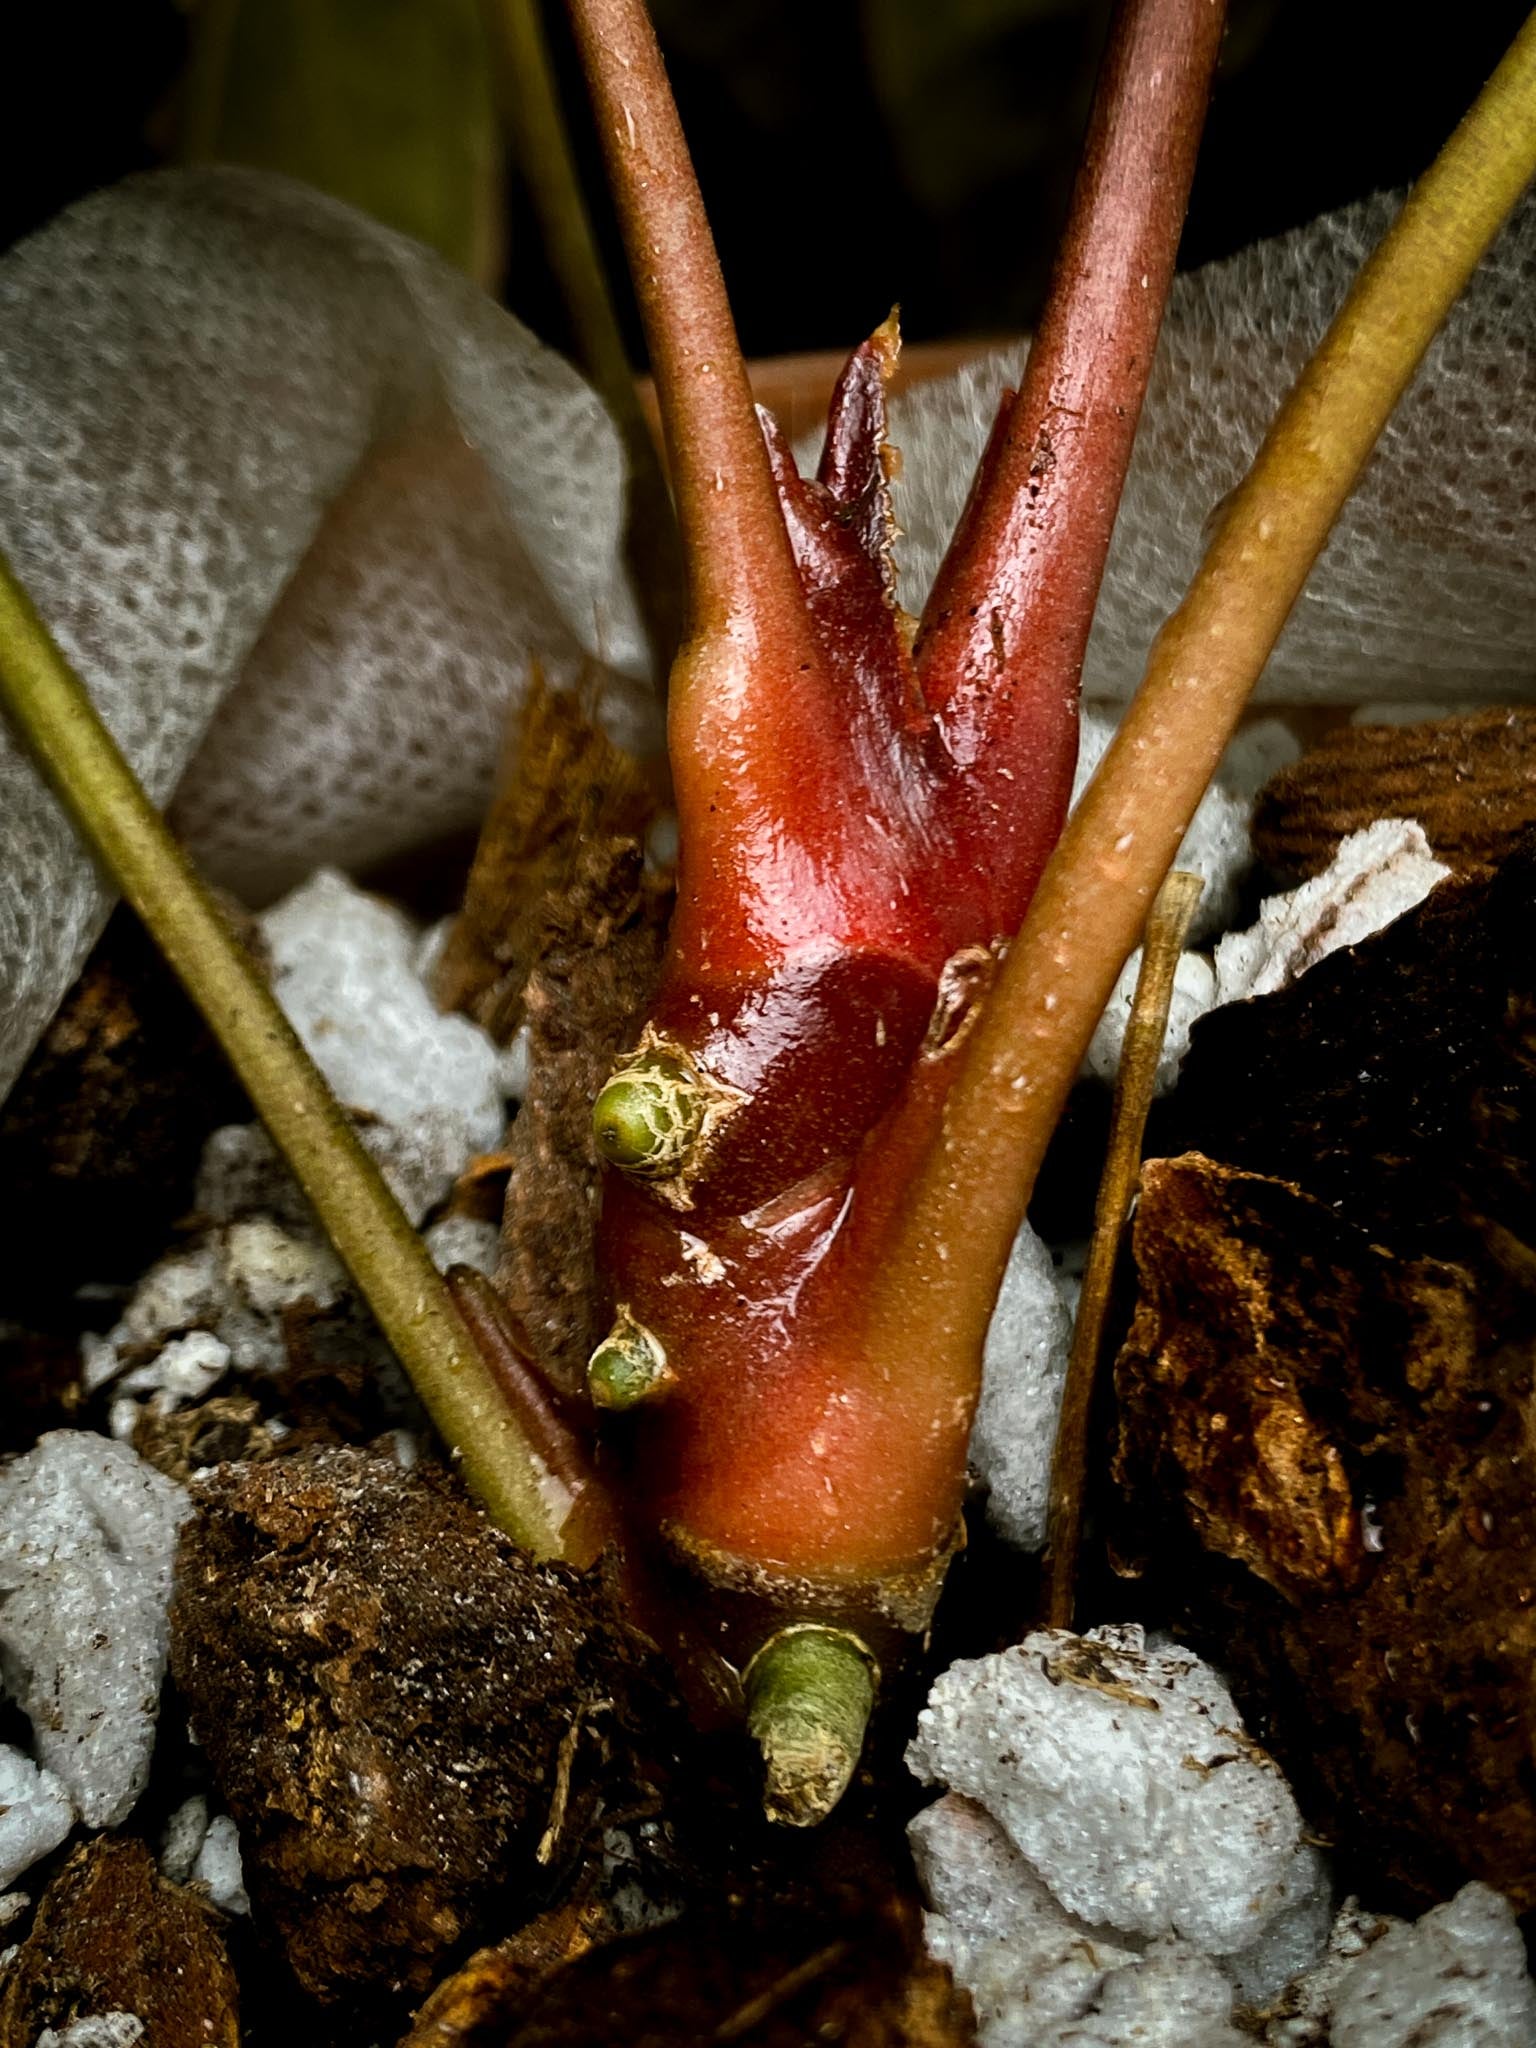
pixel 648 1116
pixel 810 1690
pixel 629 1366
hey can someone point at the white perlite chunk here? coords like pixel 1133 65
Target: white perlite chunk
pixel 1298 2017
pixel 1194 992
pixel 241 1173
pixel 1293 1942
pixel 464 1241
pixel 1217 847
pixel 1376 875
pixel 35 1814
pixel 87 1537
pixel 186 1369
pixel 344 967
pixel 1023 1367
pixel 216 1306
pixel 1455 1979
pixel 1174 1997
pixel 1037 1976
pixel 344 970
pixel 428 1090
pixel 1026 1963
pixel 218 1869
pixel 974 1877
pixel 1125 1777
pixel 182 1838
pixel 99 2030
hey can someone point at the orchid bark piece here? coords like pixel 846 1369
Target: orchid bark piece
pixel 523 1492
pixel 1086 916
pixel 865 804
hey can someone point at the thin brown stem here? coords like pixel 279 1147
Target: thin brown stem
pixel 205 79
pixel 1019 1064
pixel 1162 947
pixel 590 1524
pixel 734 544
pixel 548 165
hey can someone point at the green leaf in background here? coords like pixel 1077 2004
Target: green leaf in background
pixel 384 103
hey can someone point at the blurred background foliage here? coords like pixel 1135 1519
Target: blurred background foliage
pixel 852 152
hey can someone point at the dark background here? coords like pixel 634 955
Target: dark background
pixel 854 152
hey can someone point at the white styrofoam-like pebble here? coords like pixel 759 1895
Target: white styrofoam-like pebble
pixel 1194 992
pixel 1295 1939
pixel 1037 1976
pixel 464 1241
pixel 1457 1978
pixel 87 1537
pixel 270 1269
pixel 35 1815
pixel 1023 1366
pixel 1217 847
pixel 187 1290
pixel 1376 875
pixel 1125 1777
pixel 182 1837
pixel 217 1869
pixel 185 1369
pixel 343 968
pixel 1173 1997
pixel 974 1876
pixel 217 1306
pixel 95 2030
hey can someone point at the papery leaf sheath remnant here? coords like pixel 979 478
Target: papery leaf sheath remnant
pixel 863 815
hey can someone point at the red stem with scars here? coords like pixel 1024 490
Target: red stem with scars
pixel 864 813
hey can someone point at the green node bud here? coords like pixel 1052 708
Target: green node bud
pixel 629 1366
pixel 810 1690
pixel 648 1116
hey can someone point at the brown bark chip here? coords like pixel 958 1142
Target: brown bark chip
pixel 1395 1079
pixel 567 791
pixel 851 1970
pixel 582 1007
pixel 1470 782
pixel 382 1684
pixel 561 932
pixel 112 1935
pixel 1330 1455
pixel 100 1136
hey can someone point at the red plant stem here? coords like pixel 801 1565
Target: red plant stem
pixel 937 1287
pixel 737 554
pixel 1006 627
pixel 860 841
